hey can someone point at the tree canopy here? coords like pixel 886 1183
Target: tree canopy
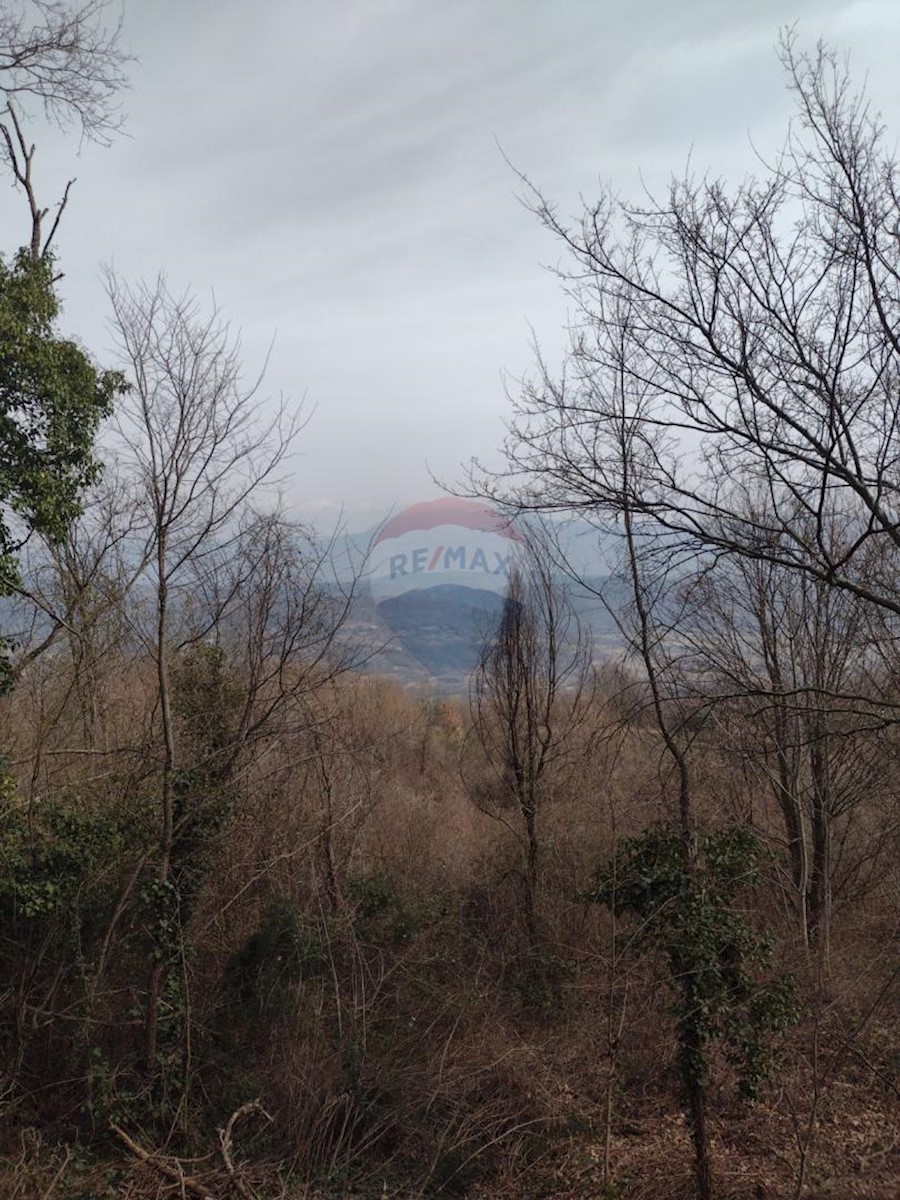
pixel 52 396
pixel 731 377
pixel 52 399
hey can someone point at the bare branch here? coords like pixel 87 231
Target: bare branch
pixel 68 59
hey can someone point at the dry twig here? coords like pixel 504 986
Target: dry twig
pixel 174 1173
pixel 226 1141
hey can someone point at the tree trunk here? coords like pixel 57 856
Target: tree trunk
pixel 692 1052
pixel 820 881
pixel 792 813
pixel 167 832
pixel 531 866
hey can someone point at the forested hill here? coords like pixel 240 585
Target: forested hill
pixel 432 639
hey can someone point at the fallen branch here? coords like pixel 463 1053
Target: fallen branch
pixel 175 1174
pixel 226 1143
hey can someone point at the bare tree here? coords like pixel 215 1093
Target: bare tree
pixel 678 878
pixel 792 671
pixel 193 434
pixel 178 561
pixel 72 596
pixel 755 339
pixel 273 600
pixel 530 696
pixel 652 648
pixel 730 387
pixel 67 60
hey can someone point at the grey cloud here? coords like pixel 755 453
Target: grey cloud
pixel 331 171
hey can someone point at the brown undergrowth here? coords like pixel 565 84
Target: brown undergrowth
pixel 352 958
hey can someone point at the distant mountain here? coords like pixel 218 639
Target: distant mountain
pixel 590 551
pixel 431 639
pixel 430 584
pixel 444 627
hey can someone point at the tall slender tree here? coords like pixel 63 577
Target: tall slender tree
pixel 69 63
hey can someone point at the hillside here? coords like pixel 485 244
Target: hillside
pixel 432 639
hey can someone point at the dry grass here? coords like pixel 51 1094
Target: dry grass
pixel 415 1036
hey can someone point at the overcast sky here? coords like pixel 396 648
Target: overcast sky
pixel 329 170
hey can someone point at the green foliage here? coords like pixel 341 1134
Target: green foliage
pixel 53 858
pixel 52 399
pixel 62 866
pixel 206 697
pixel 380 914
pixel 383 917
pixel 715 954
pixel 206 700
pixel 648 874
pixel 162 924
pixel 112 1092
pixel 542 979
pixel 280 953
